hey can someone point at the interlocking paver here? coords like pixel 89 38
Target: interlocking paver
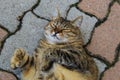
pixel 103 42
pixel 113 73
pixel 106 36
pixel 11 9
pixel 27 38
pixel 87 24
pixel 47 8
pixel 3 34
pixel 6 76
pixel 101 66
pixel 99 8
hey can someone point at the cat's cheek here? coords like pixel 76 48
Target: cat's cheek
pixel 46 32
pixel 60 36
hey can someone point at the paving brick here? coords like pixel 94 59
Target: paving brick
pixel 27 38
pixel 11 9
pixel 3 34
pixel 106 37
pixel 96 7
pixel 47 8
pixel 113 73
pixel 6 76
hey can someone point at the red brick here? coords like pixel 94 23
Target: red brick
pixel 6 76
pixel 107 36
pixel 96 7
pixel 3 33
pixel 113 73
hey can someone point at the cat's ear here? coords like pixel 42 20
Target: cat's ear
pixel 77 21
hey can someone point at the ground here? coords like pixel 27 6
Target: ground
pixel 22 22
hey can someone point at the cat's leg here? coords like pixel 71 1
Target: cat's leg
pixel 18 59
pixel 25 62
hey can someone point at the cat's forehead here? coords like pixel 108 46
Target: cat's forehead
pixel 60 20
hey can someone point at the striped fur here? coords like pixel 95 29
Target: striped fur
pixel 26 63
pixel 60 56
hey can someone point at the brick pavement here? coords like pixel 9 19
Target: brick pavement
pixel 100 30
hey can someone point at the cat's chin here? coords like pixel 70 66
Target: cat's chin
pixel 51 42
pixel 55 42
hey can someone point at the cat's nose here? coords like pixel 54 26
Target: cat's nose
pixel 55 33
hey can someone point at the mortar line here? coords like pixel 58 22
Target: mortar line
pixel 39 16
pixel 36 5
pixel 99 22
pixel 102 59
pixel 19 26
pixel 96 25
pixel 1 26
pixel 118 1
pixel 116 59
pixel 92 33
pixel 70 6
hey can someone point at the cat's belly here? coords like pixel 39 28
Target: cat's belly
pixel 65 74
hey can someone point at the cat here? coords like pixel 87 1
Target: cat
pixel 60 56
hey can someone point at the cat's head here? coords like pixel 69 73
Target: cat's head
pixel 60 30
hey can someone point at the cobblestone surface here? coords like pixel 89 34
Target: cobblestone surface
pixel 27 38
pixel 99 8
pixel 3 34
pixel 10 10
pixel 100 39
pixel 6 76
pixel 47 8
pixel 106 36
pixel 113 73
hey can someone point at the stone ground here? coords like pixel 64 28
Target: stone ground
pixel 22 22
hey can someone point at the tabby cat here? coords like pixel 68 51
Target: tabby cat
pixel 60 56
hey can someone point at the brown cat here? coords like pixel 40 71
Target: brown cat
pixel 60 56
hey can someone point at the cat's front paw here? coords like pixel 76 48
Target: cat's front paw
pixel 17 59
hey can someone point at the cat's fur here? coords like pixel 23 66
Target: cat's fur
pixel 60 56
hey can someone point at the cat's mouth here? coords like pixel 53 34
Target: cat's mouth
pixel 55 38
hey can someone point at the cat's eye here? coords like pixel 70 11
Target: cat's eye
pixel 71 34
pixel 66 30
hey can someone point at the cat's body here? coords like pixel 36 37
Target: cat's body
pixel 59 57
